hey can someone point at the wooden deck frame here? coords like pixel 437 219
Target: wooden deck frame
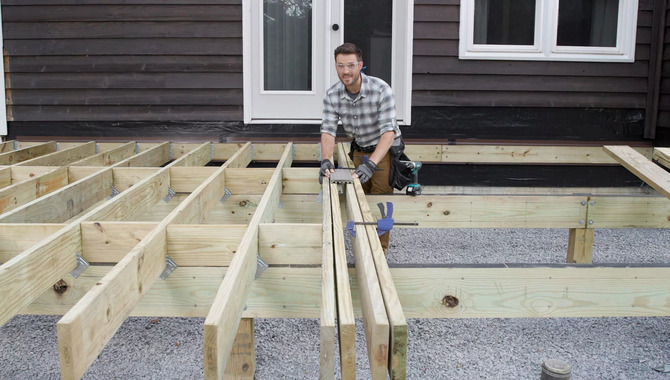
pixel 226 311
pixel 423 292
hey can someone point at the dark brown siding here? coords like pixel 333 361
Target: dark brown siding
pixel 441 79
pixel 123 60
pixel 663 123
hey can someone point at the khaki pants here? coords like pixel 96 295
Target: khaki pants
pixel 378 184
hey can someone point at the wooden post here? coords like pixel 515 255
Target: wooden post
pixel 242 360
pixel 580 245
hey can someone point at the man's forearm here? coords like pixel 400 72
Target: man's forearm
pixel 383 146
pixel 327 146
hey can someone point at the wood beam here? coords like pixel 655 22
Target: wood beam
pixel 22 192
pixel 278 243
pixel 534 291
pixel 153 156
pixel 628 212
pixel 28 274
pixel 109 242
pixel 127 177
pixel 204 245
pixel 16 238
pixel 226 310
pixel 662 156
pixel 397 365
pixel 580 245
pixel 375 320
pixel 7 146
pixel 328 304
pixel 488 211
pixel 67 202
pixel 642 167
pixel 63 156
pixel 5 176
pixel 301 180
pixel 191 154
pixel 346 322
pixel 242 361
pixel 529 154
pixel 109 157
pixel 56 255
pixel 112 298
pixel 20 155
pixel 282 292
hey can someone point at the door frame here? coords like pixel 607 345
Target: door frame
pixel 401 52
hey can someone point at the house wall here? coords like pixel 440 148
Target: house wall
pixel 174 68
pixel 149 60
pixel 663 123
pixel 523 99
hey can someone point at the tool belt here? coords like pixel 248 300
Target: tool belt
pixel 400 175
pixel 365 149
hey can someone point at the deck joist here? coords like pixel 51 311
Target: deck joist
pixel 127 207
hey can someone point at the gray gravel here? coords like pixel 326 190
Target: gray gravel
pixel 597 348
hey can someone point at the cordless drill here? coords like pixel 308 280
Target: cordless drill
pixel 414 188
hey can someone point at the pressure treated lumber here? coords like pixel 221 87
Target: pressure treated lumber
pixel 22 192
pixel 529 154
pixel 580 245
pixel 375 320
pixel 533 291
pixel 328 305
pixel 7 146
pixel 628 212
pixel 152 156
pixel 63 156
pixel 642 167
pixel 397 365
pixel 281 292
pixel 226 310
pixel 111 300
pixel 291 243
pixel 27 275
pixel 5 176
pixel 109 157
pixel 67 202
pixel 242 360
pixel 16 156
pixel 397 345
pixel 346 322
pixel 16 238
pixel 487 211
pixel 60 251
pixel 662 156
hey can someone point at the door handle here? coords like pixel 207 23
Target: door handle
pixel 335 27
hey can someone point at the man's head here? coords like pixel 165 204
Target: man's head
pixel 348 63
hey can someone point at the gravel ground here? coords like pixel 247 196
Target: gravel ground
pixel 597 348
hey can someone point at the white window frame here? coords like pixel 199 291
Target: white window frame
pixel 546 30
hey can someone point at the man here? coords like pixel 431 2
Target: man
pixel 366 107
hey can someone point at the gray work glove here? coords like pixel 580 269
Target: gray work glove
pixel 326 166
pixel 365 171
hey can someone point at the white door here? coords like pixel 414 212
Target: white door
pixel 288 53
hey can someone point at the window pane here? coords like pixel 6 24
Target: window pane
pixel 371 34
pixel 587 22
pixel 287 40
pixel 504 22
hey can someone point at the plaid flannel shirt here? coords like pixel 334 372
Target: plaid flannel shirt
pixel 365 118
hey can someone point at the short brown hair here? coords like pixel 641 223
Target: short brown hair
pixel 349 48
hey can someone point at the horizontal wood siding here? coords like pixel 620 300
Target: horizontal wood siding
pixel 123 60
pixel 441 79
pixel 663 124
